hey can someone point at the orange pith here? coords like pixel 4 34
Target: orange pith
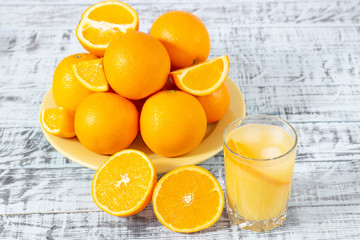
pixel 123 185
pixel 91 75
pixel 188 199
pixel 58 121
pixel 103 22
pixel 204 78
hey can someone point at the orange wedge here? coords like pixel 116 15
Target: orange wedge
pixel 188 199
pixel 203 78
pixel 103 22
pixel 58 121
pixel 123 185
pixel 91 75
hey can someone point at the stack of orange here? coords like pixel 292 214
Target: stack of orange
pixel 159 84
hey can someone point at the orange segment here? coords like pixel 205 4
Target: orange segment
pixel 103 22
pixel 123 185
pixel 58 121
pixel 188 199
pixel 204 78
pixel 91 75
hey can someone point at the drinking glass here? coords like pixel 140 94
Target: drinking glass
pixel 259 155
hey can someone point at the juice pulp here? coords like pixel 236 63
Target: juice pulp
pixel 258 189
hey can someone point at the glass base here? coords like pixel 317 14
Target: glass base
pixel 257 226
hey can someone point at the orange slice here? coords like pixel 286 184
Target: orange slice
pixel 91 75
pixel 58 121
pixel 258 168
pixel 103 22
pixel 188 199
pixel 203 78
pixel 123 185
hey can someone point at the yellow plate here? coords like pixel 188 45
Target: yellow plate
pixel 211 144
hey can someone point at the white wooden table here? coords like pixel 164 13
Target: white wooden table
pixel 296 59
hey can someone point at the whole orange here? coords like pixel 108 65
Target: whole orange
pixel 172 123
pixel 136 65
pixel 106 123
pixel 68 92
pixel 185 37
pixel 215 104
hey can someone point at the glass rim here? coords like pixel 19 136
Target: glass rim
pixel 265 159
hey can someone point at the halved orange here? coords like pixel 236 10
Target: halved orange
pixel 188 199
pixel 203 78
pixel 58 121
pixel 124 184
pixel 103 22
pixel 91 75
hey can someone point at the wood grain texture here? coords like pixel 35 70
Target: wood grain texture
pixel 67 189
pixel 298 60
pixel 316 191
pixel 280 68
pixel 259 57
pixel 292 103
pixel 322 222
pixel 44 190
pixel 26 147
pixel 262 56
pixel 212 12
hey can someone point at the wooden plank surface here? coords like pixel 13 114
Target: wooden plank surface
pixel 298 60
pixel 45 190
pixel 292 103
pixel 320 58
pixel 61 13
pixel 323 222
pixel 26 147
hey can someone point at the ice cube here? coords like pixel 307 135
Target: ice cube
pixel 270 152
pixel 249 133
pixel 276 134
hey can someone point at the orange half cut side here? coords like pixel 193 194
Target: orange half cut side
pixel 103 22
pixel 188 199
pixel 123 185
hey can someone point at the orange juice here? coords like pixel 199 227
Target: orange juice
pixel 259 163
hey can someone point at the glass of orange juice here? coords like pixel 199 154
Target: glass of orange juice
pixel 259 155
